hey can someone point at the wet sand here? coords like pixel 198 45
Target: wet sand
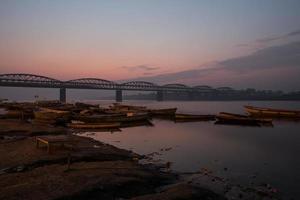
pixel 97 170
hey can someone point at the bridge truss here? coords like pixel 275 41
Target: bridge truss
pixel 31 80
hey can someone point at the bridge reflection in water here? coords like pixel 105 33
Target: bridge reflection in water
pixel 31 80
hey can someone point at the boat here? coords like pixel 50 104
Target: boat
pixel 94 126
pixel 118 106
pixel 118 117
pixel 44 103
pixel 273 113
pixel 51 114
pixel 91 111
pixel 163 111
pixel 17 114
pixel 3 100
pixel 231 118
pixel 189 117
pixel 136 123
pixel 85 105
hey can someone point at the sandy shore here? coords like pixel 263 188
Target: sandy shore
pixel 97 171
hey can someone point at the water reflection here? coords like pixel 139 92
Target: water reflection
pixel 244 154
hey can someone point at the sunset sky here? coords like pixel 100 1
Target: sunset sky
pixel 219 42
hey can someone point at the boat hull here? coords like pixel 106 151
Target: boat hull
pixel 230 118
pixel 122 107
pixel 50 116
pixel 188 117
pixel 93 126
pixel 113 118
pixel 273 113
pixel 167 111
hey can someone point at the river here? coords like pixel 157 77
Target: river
pixel 246 155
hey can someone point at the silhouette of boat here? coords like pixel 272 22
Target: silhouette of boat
pixel 189 117
pixel 46 113
pixel 82 125
pixel 118 106
pixel 273 113
pixel 163 111
pixel 129 117
pixel 231 118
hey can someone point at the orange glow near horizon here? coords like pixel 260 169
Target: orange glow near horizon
pixel 120 40
pixel 65 64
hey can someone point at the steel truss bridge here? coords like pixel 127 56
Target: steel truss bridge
pixel 31 80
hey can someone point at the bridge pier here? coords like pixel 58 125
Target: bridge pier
pixel 62 95
pixel 159 95
pixel 119 97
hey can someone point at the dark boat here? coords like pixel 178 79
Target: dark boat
pixel 51 114
pixel 18 114
pixel 85 105
pixel 163 111
pixel 231 118
pixel 15 110
pixel 136 123
pixel 273 113
pixel 118 106
pixel 82 125
pixel 189 117
pixel 129 117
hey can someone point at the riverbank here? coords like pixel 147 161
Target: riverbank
pixel 91 169
pixel 97 171
pixel 101 171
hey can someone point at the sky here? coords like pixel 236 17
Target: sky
pixel 233 43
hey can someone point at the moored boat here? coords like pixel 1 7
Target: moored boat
pixel 231 118
pixel 94 126
pixel 273 113
pixel 46 103
pixel 51 114
pixel 18 114
pixel 163 111
pixel 3 100
pixel 128 117
pixel 136 123
pixel 118 106
pixel 189 117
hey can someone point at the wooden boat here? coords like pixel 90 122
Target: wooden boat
pixel 94 126
pixel 17 114
pixel 3 100
pixel 129 117
pixel 136 123
pixel 163 111
pixel 270 112
pixel 44 103
pixel 231 118
pixel 190 117
pixel 118 106
pixel 90 111
pixel 85 105
pixel 86 131
pixel 46 113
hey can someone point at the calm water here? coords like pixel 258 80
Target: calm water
pixel 269 154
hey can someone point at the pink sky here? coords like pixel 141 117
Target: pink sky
pixel 111 39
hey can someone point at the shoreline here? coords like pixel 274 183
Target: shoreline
pixel 27 172
pixel 95 170
pixel 30 173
